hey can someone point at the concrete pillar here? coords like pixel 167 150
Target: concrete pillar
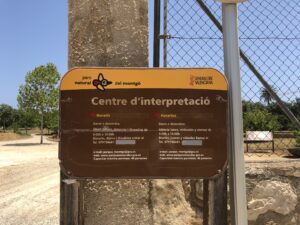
pixel 111 33
pixel 114 33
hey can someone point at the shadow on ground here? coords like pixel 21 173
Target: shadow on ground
pixel 291 157
pixel 26 144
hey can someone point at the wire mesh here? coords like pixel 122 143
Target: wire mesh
pixel 270 38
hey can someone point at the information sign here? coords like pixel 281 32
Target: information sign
pixel 160 123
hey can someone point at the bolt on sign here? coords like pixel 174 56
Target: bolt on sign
pixel 138 122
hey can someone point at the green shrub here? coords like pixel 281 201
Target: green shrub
pixel 259 119
pixel 297 138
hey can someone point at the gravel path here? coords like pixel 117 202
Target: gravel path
pixel 29 182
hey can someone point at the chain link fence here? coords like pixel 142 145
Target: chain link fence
pixel 270 42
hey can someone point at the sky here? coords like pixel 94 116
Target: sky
pixel 34 32
pixel 269 36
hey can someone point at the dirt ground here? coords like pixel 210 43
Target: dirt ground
pixel 29 182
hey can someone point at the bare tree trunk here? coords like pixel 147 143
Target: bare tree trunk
pixel 42 127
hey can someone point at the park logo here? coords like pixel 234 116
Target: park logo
pixel 201 80
pixel 101 82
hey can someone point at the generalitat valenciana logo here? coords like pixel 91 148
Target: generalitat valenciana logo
pixel 101 82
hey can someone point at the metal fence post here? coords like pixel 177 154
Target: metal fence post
pixel 156 34
pixel 165 36
pixel 69 201
pixel 232 71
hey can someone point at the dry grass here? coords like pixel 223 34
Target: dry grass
pixel 280 144
pixel 263 151
pixel 9 136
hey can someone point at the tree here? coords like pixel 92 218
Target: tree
pixel 51 121
pixel 275 110
pixel 295 107
pixel 250 106
pixel 7 116
pixel 265 95
pixel 40 92
pixel 27 119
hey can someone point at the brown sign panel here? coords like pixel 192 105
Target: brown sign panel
pixel 162 123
